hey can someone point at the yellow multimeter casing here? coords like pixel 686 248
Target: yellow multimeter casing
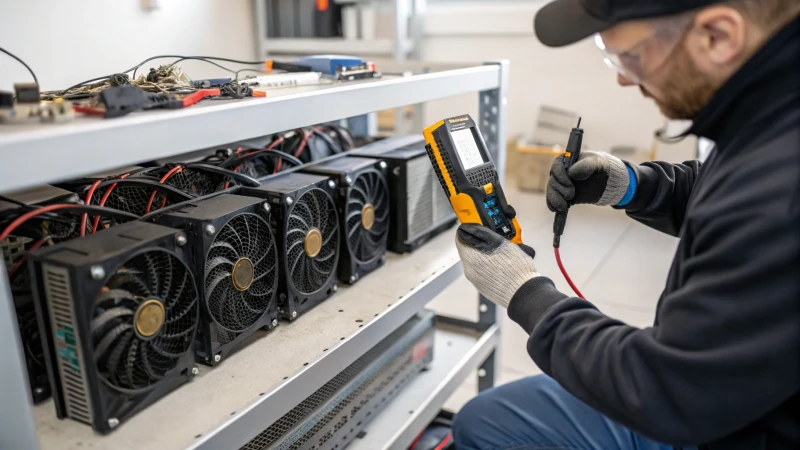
pixel 469 177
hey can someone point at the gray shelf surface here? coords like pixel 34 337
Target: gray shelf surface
pixel 224 407
pixel 457 353
pixel 34 154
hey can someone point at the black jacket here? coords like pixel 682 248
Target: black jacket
pixel 721 365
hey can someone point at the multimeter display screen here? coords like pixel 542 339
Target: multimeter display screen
pixel 467 148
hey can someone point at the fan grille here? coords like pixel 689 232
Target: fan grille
pixel 135 199
pixel 125 358
pixel 313 210
pixel 369 194
pixel 196 181
pixel 245 239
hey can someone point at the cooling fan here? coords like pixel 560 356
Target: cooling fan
pixel 122 311
pixel 198 179
pixel 363 204
pixel 306 223
pixel 233 246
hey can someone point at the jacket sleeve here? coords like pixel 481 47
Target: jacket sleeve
pixel 724 350
pixel 662 193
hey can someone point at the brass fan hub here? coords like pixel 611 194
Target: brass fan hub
pixel 149 317
pixel 313 242
pixel 368 216
pixel 242 274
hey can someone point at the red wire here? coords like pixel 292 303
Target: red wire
pixel 28 215
pixel 87 202
pixel 270 147
pixel 103 201
pixel 566 275
pixel 162 180
pixel 444 442
pixel 416 441
pixel 302 145
pixel 35 246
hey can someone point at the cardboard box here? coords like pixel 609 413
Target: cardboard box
pixel 528 166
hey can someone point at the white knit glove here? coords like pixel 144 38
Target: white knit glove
pixel 493 264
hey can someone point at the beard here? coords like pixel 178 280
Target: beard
pixel 686 90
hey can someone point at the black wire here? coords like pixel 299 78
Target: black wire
pixel 192 58
pixel 246 70
pixel 35 80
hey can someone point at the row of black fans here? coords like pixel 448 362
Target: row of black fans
pixel 184 262
pixel 126 310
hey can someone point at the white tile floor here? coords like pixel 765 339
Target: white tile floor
pixel 619 264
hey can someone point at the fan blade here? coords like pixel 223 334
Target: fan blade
pixel 269 270
pixel 364 195
pixel 351 215
pixel 291 247
pixel 171 301
pixel 267 251
pixel 117 294
pixel 157 344
pixel 303 222
pixel 166 279
pixel 128 277
pixel 330 234
pixel 211 287
pixel 321 258
pixel 217 262
pixel 152 273
pixel 108 315
pixel 296 260
pixel 353 231
pixel 222 247
pixel 317 207
pixel 148 368
pixel 250 245
pixel 296 230
pixel 308 210
pixel 114 357
pixel 130 361
pixel 109 338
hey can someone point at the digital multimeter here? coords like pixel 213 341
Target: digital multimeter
pixel 469 177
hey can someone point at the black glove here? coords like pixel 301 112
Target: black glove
pixel 596 179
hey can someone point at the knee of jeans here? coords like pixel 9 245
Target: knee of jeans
pixel 469 422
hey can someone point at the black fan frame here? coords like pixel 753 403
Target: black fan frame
pixel 108 249
pixel 350 269
pixel 291 302
pixel 192 219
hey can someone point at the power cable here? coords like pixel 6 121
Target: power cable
pixel 35 80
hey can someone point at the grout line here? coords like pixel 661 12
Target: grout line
pixel 607 256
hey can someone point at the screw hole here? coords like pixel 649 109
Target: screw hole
pixel 341 339
pixel 359 320
pixel 260 394
pixel 198 436
pixel 285 378
pixel 233 413
pixel 361 325
pixel 341 310
pixel 324 349
pixel 305 364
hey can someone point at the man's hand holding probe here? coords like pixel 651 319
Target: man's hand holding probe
pixel 503 271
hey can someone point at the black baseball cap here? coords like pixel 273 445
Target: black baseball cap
pixel 564 22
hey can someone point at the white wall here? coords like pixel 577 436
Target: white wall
pixel 68 41
pixel 573 78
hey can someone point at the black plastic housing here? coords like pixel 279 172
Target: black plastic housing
pixel 419 210
pixel 87 264
pixel 284 192
pixel 361 181
pixel 241 215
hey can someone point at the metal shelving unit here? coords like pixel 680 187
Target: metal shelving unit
pixel 226 406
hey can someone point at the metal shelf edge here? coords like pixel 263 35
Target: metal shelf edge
pixel 270 407
pixel 88 146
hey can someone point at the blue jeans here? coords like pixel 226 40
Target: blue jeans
pixel 536 413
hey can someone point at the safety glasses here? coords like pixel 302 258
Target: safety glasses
pixel 664 39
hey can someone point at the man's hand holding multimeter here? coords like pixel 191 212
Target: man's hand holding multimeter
pixel 489 239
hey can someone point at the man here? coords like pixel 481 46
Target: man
pixel 720 368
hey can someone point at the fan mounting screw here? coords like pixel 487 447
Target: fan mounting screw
pixel 483 308
pixel 267 208
pixel 294 314
pixel 331 184
pixel 195 370
pixel 289 200
pixel 180 240
pixel 217 358
pixel 352 278
pixel 209 229
pixel 97 272
pixel 113 422
pixel 348 181
pixel 382 165
pixel 396 171
pixel 274 322
pixel 38 390
pixel 335 288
